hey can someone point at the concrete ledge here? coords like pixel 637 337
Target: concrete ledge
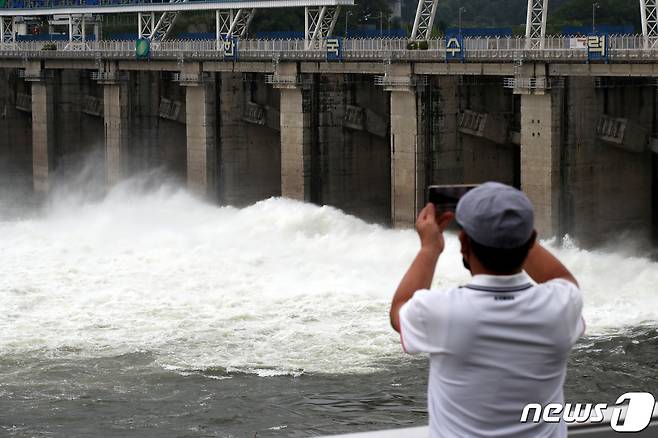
pixel 149 66
pixel 11 63
pixel 479 69
pixel 439 68
pixel 342 67
pixel 239 67
pixel 628 70
pixel 586 430
pixel 410 432
pixel 68 64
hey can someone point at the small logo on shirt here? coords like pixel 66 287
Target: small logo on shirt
pixel 503 298
pixel 638 413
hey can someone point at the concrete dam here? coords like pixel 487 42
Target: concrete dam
pixel 366 136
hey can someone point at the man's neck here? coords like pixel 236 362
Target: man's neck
pixel 477 269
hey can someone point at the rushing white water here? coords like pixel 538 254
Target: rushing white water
pixel 278 287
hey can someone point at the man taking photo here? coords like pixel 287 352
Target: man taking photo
pixel 501 341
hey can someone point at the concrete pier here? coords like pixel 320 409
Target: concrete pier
pixel 296 132
pixel 407 160
pixel 540 158
pixel 115 111
pixel 408 152
pixel 43 130
pixel 200 128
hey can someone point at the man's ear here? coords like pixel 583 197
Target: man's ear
pixel 533 238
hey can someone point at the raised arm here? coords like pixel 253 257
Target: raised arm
pixel 543 266
pixel 420 273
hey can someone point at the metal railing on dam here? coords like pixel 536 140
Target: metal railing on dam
pixel 621 49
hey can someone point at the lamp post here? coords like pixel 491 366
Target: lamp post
pixel 381 23
pixel 461 11
pixel 595 6
pixel 347 19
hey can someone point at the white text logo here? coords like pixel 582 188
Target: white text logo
pixel 638 413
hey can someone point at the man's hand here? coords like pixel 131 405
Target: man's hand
pixel 420 273
pixel 430 228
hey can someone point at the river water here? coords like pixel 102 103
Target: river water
pixel 149 313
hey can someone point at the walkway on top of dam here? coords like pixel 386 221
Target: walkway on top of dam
pixel 620 50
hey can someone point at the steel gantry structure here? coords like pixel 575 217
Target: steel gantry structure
pixel 156 18
pixel 535 23
pixel 233 22
pixel 649 14
pixel 156 26
pixel 424 20
pixel 319 22
pixel 535 27
pixel 537 14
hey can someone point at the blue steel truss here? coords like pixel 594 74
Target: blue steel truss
pixel 57 7
pixel 156 17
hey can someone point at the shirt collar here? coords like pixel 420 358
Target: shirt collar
pixel 502 283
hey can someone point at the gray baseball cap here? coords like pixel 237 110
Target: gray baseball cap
pixel 496 215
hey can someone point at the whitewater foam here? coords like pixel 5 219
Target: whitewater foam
pixel 277 287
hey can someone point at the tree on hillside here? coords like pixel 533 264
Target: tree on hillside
pixel 505 13
pixel 611 12
pixel 279 20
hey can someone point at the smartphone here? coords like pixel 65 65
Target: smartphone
pixel 445 198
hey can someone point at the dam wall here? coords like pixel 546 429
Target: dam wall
pixel 367 139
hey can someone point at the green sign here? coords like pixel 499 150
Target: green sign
pixel 3 3
pixel 142 48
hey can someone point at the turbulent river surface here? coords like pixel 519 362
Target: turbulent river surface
pixel 148 313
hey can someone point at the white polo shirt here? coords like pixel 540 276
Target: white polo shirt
pixel 495 345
